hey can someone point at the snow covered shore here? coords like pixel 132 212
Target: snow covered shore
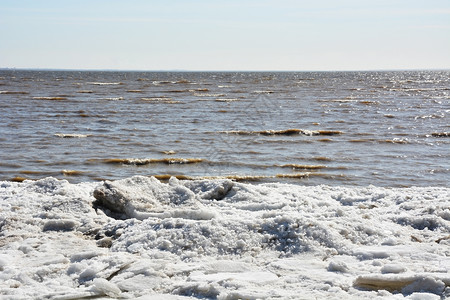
pixel 218 239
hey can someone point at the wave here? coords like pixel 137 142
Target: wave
pixel 293 176
pixel 237 178
pixel 71 135
pixel 18 179
pixel 395 141
pixel 162 99
pixel 263 92
pixel 419 89
pixel 369 102
pixel 285 132
pixel 169 152
pixel 252 178
pixel 440 134
pixel 183 81
pixel 106 83
pixel 71 172
pixel 303 167
pixel 433 116
pixel 325 140
pixel 50 98
pixel 147 161
pixel 339 100
pixel 175 91
pixel 160 82
pixel 226 100
pixel 383 141
pixel 112 98
pixel 208 95
pixel 322 158
pixel 169 160
pixel 257 177
pixel 14 93
pixel 362 140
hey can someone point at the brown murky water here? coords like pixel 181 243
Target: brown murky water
pixel 337 128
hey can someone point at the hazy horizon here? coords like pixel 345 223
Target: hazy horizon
pixel 218 71
pixel 236 35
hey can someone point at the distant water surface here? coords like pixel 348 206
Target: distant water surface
pixel 336 128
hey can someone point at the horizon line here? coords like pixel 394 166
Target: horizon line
pixel 218 71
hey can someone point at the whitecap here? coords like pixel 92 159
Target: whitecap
pixel 71 135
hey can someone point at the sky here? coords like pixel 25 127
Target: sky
pixel 234 35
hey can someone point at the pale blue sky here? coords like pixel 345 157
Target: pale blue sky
pixel 225 35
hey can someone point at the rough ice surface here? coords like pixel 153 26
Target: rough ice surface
pixel 138 238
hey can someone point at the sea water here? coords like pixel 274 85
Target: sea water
pixel 338 128
pixel 129 185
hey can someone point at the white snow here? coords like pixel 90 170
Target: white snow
pixel 219 239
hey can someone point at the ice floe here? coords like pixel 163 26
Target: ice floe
pixel 139 238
